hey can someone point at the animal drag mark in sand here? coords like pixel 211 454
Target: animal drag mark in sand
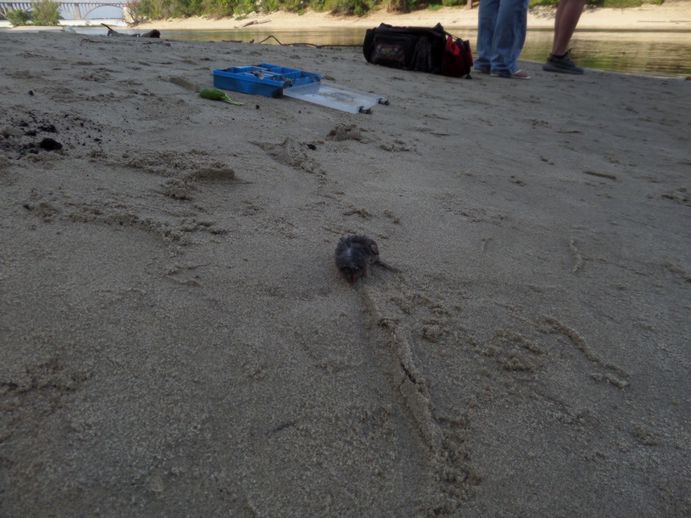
pixel 451 473
pixel 395 310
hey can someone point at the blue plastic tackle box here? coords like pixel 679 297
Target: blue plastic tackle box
pixel 264 79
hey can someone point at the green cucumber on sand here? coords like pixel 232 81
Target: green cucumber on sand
pixel 215 94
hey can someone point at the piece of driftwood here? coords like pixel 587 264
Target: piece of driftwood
pixel 155 33
pixel 254 22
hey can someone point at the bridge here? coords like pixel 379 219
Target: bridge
pixel 79 10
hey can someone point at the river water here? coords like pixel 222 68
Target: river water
pixel 654 53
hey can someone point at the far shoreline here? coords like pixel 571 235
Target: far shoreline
pixel 668 17
pixel 671 17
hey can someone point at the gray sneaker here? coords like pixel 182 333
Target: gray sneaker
pixel 563 64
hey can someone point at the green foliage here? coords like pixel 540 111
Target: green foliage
pixel 218 8
pixel 180 9
pixel 133 10
pixel 195 7
pixel 245 7
pixel 318 5
pixel 438 4
pixel 401 6
pixel 617 4
pixel 349 7
pixel 145 9
pixel 18 17
pixel 158 9
pixel 405 6
pixel 268 6
pixel 46 12
pixel 295 6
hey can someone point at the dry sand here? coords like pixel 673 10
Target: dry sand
pixel 670 16
pixel 176 340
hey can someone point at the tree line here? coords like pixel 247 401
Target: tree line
pixel 45 12
pixel 161 9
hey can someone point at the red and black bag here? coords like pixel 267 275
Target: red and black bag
pixel 418 48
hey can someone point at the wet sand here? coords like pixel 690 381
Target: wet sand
pixel 176 339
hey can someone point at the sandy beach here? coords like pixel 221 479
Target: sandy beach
pixel 176 339
pixel 670 16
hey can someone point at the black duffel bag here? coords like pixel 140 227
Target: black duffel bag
pixel 418 48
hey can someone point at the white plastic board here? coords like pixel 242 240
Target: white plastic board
pixel 336 97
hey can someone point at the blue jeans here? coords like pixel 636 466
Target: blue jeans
pixel 501 34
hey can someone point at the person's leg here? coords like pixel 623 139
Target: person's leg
pixel 486 21
pixel 509 32
pixel 565 21
pixel 521 30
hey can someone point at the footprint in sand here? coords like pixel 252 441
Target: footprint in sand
pixel 293 154
pixel 44 210
pixel 186 275
pixel 514 353
pixel 680 196
pixel 396 146
pixel 183 187
pixel 346 132
pixel 175 164
pixel 361 212
pixel 394 219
